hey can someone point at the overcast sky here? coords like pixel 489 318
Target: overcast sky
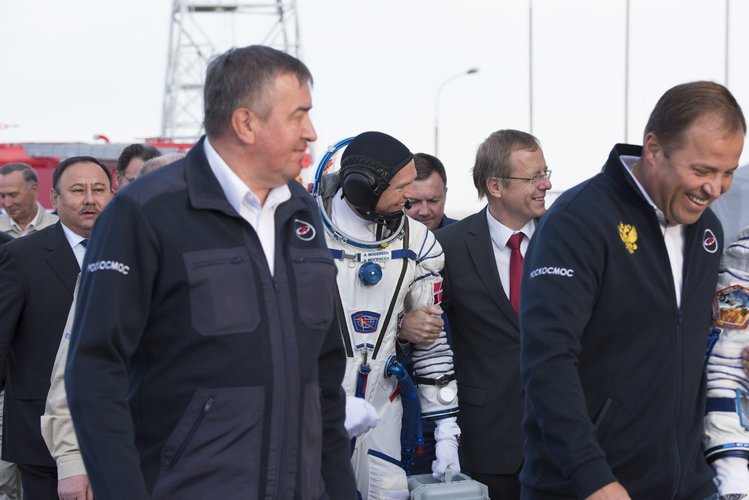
pixel 74 69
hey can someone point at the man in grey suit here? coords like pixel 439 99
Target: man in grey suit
pixel 39 273
pixel 482 276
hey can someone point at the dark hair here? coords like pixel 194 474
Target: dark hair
pixel 426 164
pixel 680 106
pixel 72 161
pixel 493 156
pixel 143 151
pixel 244 77
pixel 29 174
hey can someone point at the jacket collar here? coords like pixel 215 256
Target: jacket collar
pixel 479 246
pixel 204 190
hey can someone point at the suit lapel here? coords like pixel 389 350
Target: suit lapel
pixel 479 245
pixel 60 258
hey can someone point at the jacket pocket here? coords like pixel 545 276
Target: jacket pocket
pixel 474 396
pixel 215 449
pixel 312 431
pixel 223 297
pixel 314 272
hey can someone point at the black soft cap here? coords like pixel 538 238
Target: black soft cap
pixel 368 164
pixel 382 153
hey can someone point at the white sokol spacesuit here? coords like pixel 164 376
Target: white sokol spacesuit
pixel 727 419
pixel 382 276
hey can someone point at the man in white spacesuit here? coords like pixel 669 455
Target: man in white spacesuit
pixel 727 420
pixel 388 265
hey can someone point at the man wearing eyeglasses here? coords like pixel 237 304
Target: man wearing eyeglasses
pixel 483 261
pixel 616 309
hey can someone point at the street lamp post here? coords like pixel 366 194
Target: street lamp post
pixel 437 106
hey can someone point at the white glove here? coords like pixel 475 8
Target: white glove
pixel 446 450
pixel 360 416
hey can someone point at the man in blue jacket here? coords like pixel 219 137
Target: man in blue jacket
pixel 615 311
pixel 220 375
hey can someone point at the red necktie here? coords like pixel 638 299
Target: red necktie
pixel 516 269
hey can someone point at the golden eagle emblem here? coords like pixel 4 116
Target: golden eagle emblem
pixel 628 234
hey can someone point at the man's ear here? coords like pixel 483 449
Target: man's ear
pixel 53 198
pixel 494 187
pixel 651 147
pixel 244 124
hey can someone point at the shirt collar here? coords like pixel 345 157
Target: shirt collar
pixel 34 222
pixel 235 190
pixel 73 238
pixel 500 233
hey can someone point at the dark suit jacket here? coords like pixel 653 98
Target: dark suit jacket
pixel 38 274
pixel 486 344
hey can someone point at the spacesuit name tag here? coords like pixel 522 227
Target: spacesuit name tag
pixel 375 256
pixel 742 405
pixel 731 307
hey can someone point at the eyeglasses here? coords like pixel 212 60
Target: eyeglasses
pixel 530 180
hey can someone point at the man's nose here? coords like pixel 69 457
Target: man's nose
pixel 717 185
pixel 308 131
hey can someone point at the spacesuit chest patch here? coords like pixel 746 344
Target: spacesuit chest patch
pixel 365 321
pixel 731 307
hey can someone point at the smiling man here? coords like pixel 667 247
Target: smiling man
pixel 482 280
pixel 388 266
pixel 39 272
pixel 616 309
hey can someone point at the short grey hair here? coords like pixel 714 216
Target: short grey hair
pixel 29 174
pixel 244 77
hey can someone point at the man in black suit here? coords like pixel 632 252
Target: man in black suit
pixel 38 273
pixel 482 295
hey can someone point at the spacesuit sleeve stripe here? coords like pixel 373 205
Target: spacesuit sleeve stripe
pixel 423 244
pixel 431 256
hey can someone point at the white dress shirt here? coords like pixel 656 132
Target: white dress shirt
pixel 500 235
pixel 673 234
pixel 79 249
pixel 247 204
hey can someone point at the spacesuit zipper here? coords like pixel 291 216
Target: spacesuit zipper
pixel 206 408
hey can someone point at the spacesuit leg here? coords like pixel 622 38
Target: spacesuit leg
pixel 377 455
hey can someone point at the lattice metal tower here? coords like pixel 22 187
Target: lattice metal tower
pixel 201 29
